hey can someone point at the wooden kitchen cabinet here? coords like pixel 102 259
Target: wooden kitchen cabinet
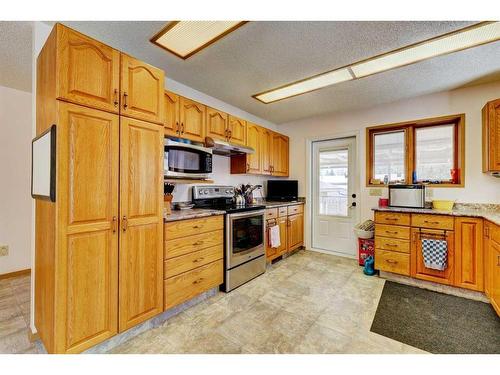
pixel 192 120
pixel 254 141
pixel 491 136
pixel 217 124
pixel 493 271
pixel 274 252
pixel 88 72
pixel 172 119
pixel 279 158
pixel 469 262
pixel 295 232
pixel 266 146
pixel 87 271
pixel 237 131
pixel 142 87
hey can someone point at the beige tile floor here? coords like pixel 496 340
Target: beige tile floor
pixel 306 303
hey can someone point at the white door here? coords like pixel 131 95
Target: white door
pixel 335 190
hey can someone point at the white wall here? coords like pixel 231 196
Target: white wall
pixel 15 172
pixel 479 187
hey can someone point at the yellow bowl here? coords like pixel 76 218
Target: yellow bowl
pixel 443 205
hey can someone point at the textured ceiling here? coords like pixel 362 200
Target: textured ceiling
pixel 263 55
pixel 15 55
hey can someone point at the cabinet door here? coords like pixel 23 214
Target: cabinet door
pixel 192 116
pixel 469 253
pixel 88 71
pixel 486 247
pixel 171 101
pixel 141 232
pixel 87 272
pixel 237 130
pixel 295 232
pixel 142 87
pixel 279 155
pixel 266 139
pixel 217 124
pixel 271 252
pixel 253 140
pixel 493 265
pixel 418 269
pixel 491 136
pixel 283 224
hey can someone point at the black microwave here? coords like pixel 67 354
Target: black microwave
pixel 186 160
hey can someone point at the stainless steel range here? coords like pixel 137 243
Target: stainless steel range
pixel 244 240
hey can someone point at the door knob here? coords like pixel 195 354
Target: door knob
pixel 353 204
pixel 353 195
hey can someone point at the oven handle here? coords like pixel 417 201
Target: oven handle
pixel 239 215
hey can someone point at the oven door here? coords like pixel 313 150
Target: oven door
pixel 187 161
pixel 245 237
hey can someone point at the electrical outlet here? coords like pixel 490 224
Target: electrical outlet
pixel 4 250
pixel 376 192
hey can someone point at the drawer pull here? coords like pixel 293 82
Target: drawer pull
pixel 498 260
pixel 198 260
pixel 391 232
pixel 198 280
pixel 198 243
pixel 391 218
pixel 391 261
pixel 431 222
pixel 197 226
pixel 391 244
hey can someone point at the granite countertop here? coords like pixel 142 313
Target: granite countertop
pixel 489 213
pixel 192 213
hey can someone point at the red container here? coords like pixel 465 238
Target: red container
pixel 365 249
pixel 383 202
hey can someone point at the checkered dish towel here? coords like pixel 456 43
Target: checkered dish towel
pixel 435 254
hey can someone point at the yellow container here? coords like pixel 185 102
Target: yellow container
pixel 443 205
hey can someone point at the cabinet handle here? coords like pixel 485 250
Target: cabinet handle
pixel 197 226
pixel 391 261
pixel 487 232
pixel 177 129
pixel 391 218
pixel 124 223
pixel 115 98
pixel 391 245
pixel 182 128
pixel 198 243
pixel 198 260
pixel 391 232
pixel 113 224
pixel 198 280
pixel 125 105
pixel 498 260
pixel 230 133
pixel 248 167
pixel 431 222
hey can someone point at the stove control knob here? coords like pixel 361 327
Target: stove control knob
pixel 200 192
pixel 228 191
pixel 205 191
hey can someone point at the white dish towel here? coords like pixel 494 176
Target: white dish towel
pixel 274 236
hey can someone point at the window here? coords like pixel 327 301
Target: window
pixel 333 182
pixel 423 151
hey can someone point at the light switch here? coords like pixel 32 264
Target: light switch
pixel 4 250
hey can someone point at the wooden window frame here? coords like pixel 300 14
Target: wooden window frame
pixel 409 128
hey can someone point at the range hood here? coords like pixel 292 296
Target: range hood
pixel 226 149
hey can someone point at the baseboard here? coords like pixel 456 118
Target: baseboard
pixel 15 274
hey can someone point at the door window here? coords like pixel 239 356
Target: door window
pixel 333 179
pixel 247 233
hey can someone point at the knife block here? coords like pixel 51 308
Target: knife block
pixel 167 199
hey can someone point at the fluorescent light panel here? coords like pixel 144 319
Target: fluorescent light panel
pixel 185 38
pixel 310 84
pixel 483 33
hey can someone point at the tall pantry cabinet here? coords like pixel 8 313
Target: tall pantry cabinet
pixel 98 262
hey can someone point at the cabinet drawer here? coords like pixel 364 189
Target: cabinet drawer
pixel 282 211
pixel 182 246
pixel 296 209
pixel 392 244
pixel 185 228
pixel 391 261
pixel 432 221
pixel 187 285
pixel 392 231
pixel 271 213
pixel 188 262
pixel 392 218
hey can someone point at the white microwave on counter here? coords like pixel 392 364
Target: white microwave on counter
pixel 410 196
pixel 186 160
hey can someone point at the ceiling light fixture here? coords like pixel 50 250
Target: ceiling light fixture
pixel 185 38
pixel 472 36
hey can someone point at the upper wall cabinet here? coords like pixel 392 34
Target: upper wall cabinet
pixel 192 119
pixel 491 137
pixel 279 165
pixel 171 101
pixel 253 137
pixel 142 87
pixel 237 130
pixel 88 72
pixel 266 146
pixel 217 124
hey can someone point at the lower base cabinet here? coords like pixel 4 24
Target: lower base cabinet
pixel 492 265
pixel 193 263
pixel 291 224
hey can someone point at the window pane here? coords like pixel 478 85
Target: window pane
pixel 389 156
pixel 434 152
pixel 333 173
